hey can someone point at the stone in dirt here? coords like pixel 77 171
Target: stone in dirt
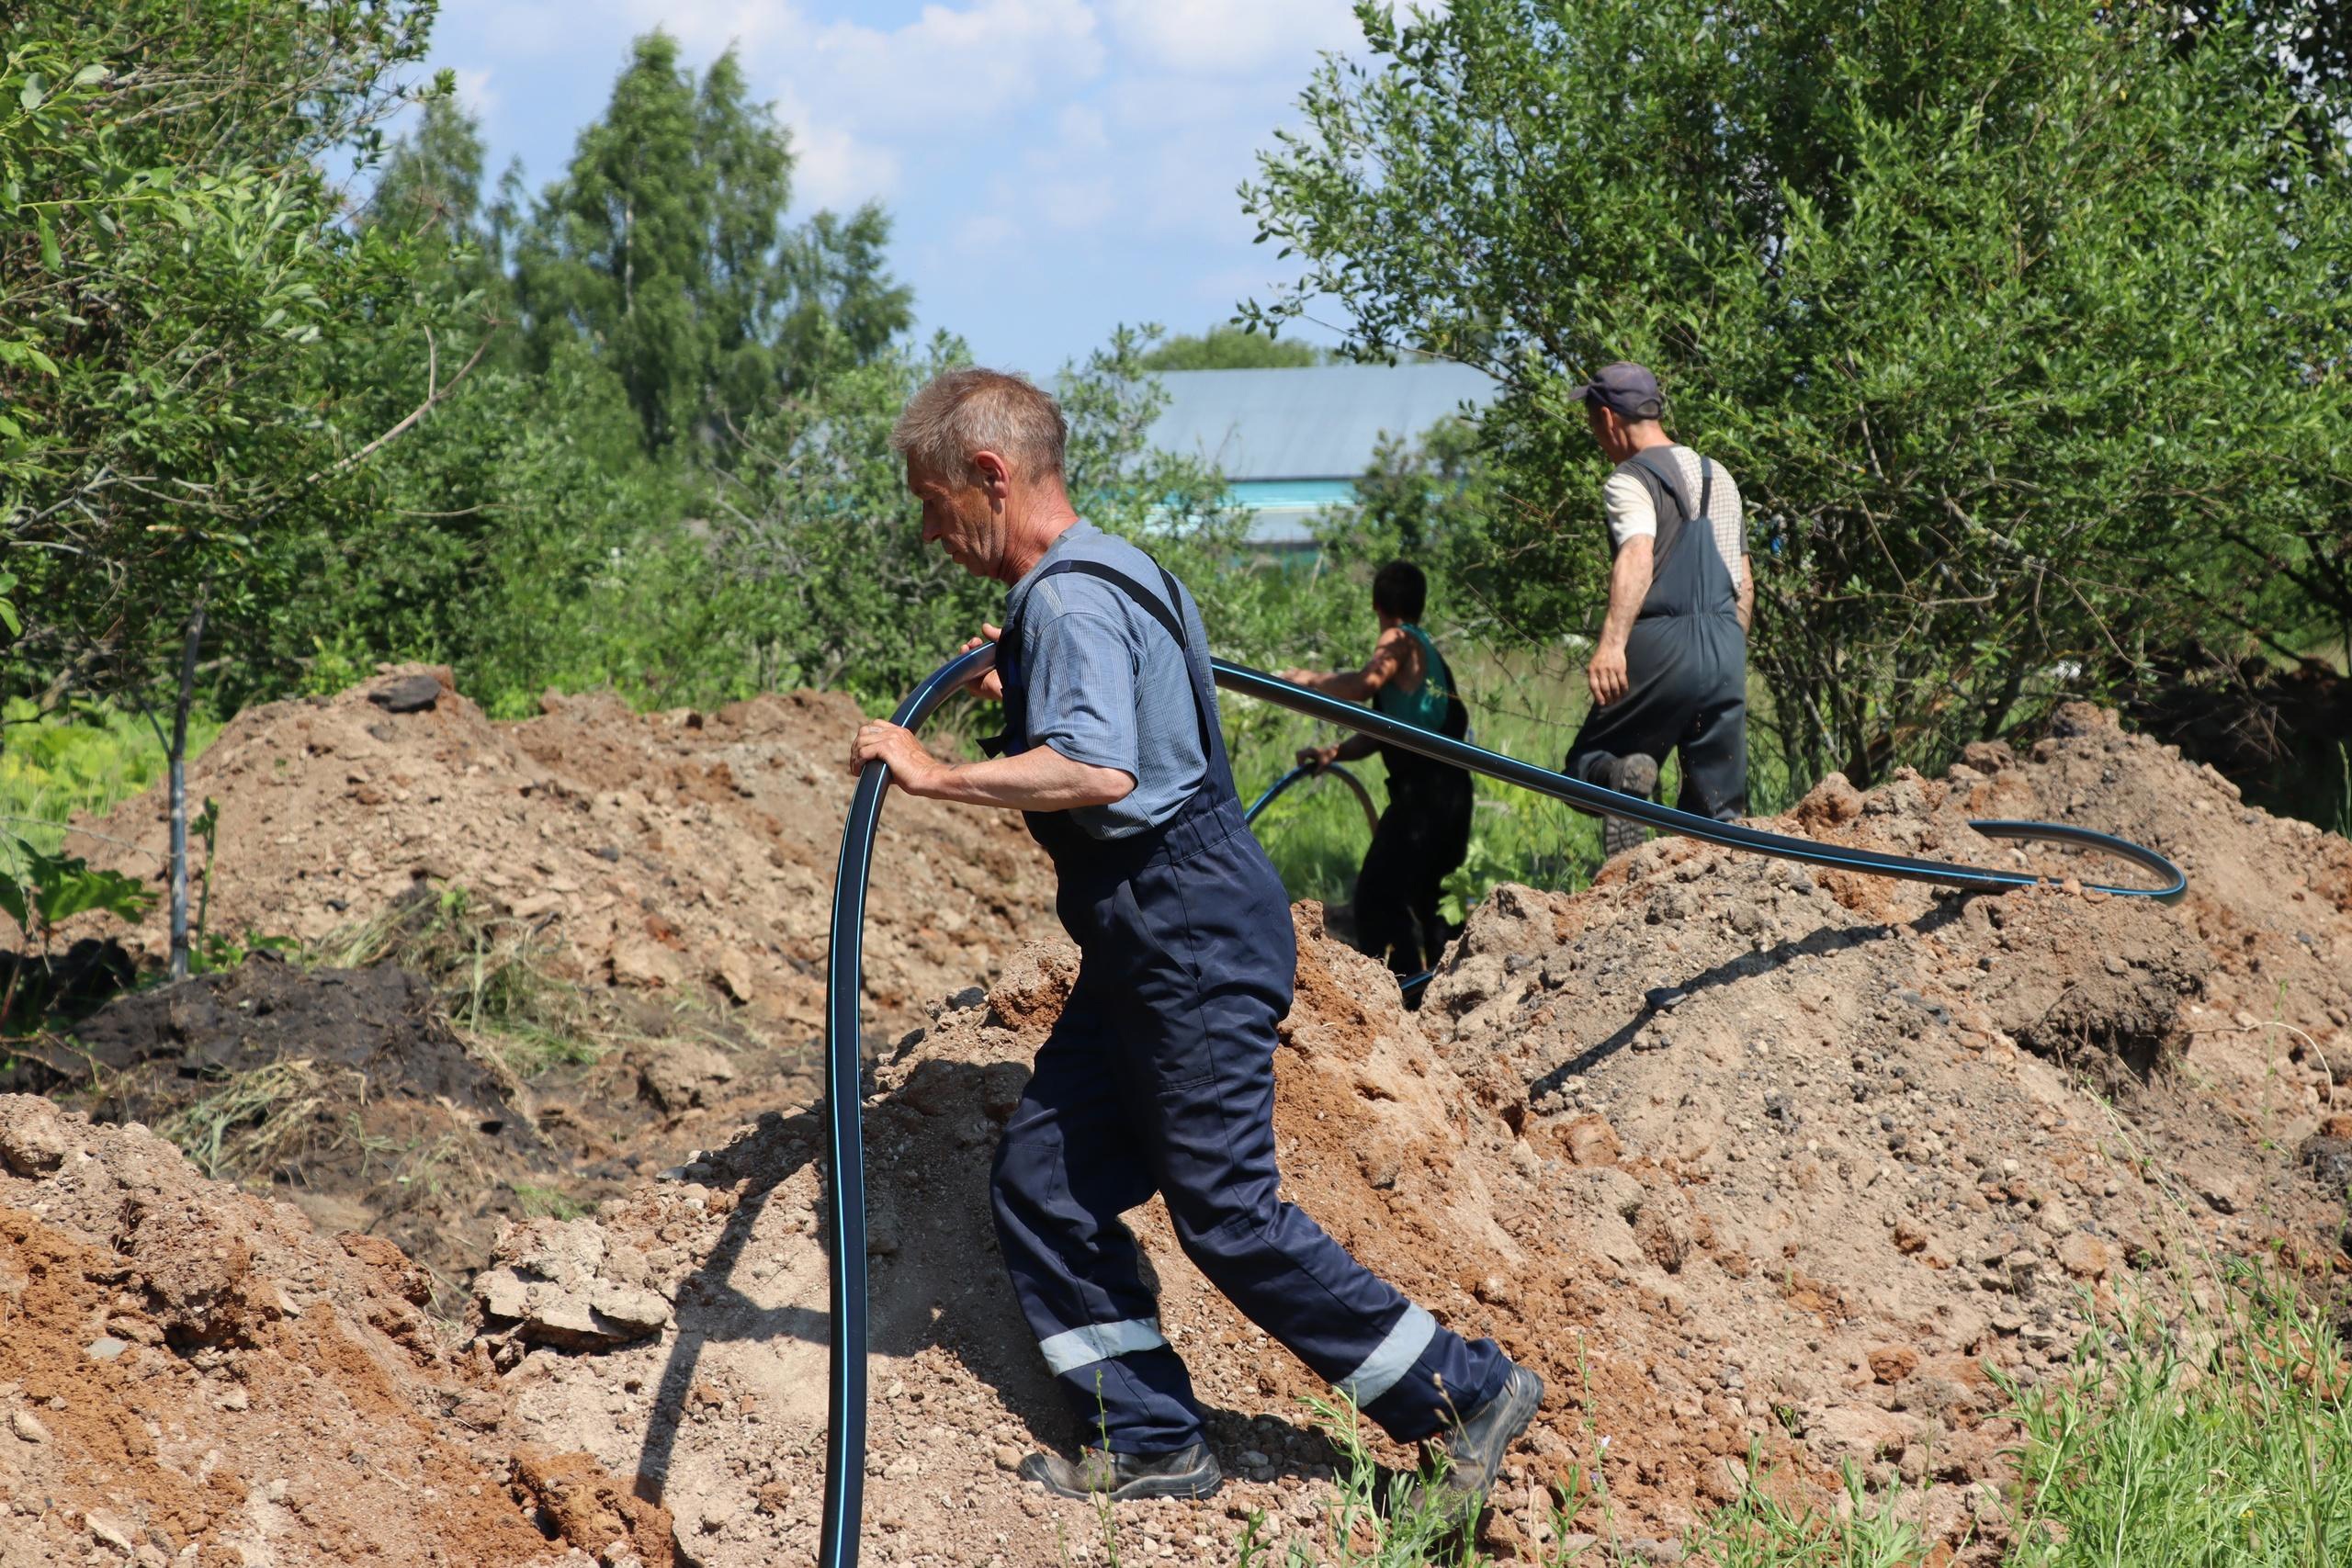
pixel 410 694
pixel 581 1504
pixel 299 1414
pixel 567 1283
pixel 679 1074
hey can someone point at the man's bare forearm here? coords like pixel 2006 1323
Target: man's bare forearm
pixel 1040 778
pixel 1348 685
pixel 1629 584
pixel 1746 595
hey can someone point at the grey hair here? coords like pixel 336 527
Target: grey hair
pixel 960 413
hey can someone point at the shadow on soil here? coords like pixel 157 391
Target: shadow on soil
pixel 959 1299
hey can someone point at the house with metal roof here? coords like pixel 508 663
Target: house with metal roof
pixel 1291 443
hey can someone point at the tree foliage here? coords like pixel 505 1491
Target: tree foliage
pixel 1227 348
pixel 171 262
pixel 664 247
pixel 450 422
pixel 2021 327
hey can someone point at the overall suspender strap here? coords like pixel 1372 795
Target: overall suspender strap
pixel 1688 573
pixel 1669 475
pixel 1170 615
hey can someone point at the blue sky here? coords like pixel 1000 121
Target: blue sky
pixel 1054 167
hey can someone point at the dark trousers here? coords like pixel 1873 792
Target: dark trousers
pixel 1159 1078
pixel 1687 693
pixel 1423 835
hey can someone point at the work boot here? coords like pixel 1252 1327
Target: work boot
pixel 1635 776
pixel 1468 1456
pixel 1188 1473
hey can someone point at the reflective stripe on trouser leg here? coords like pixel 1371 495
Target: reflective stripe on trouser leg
pixel 1075 1347
pixel 1392 1357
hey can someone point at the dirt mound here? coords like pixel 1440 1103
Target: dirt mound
pixel 193 1376
pixel 679 865
pixel 1747 1160
pixel 346 1090
pixel 678 852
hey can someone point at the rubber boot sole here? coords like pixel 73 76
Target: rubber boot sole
pixel 1635 776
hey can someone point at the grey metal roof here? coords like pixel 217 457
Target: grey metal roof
pixel 1317 422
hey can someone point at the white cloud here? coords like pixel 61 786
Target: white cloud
pixel 1230 37
pixel 954 67
pixel 1081 129
pixel 475 93
pixel 1076 204
pixel 985 234
pixel 832 168
pixel 525 28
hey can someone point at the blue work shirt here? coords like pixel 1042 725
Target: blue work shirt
pixel 1106 687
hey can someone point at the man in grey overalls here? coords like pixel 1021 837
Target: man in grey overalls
pixel 1159 1076
pixel 1669 672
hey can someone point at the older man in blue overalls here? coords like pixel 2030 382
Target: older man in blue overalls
pixel 1159 1077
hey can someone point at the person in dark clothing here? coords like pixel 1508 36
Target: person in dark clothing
pixel 1159 1075
pixel 1669 672
pixel 1424 833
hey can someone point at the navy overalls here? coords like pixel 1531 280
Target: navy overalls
pixel 1160 1078
pixel 1686 659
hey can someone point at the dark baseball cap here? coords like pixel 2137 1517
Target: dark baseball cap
pixel 1626 389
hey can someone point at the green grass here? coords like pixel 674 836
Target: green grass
pixel 491 972
pixel 51 769
pixel 252 1121
pixel 546 1202
pixel 2239 1452
pixel 2141 1455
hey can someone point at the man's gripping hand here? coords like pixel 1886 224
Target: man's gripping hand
pixel 912 769
pixel 990 686
pixel 1606 674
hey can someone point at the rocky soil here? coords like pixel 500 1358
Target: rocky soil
pixel 1750 1162
pixel 1753 1163
pixel 193 1377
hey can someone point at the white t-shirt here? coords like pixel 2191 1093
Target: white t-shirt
pixel 1632 516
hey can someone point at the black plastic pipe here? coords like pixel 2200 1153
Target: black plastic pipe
pixel 845 982
pixel 1330 770
pixel 1782 846
pixel 844 1125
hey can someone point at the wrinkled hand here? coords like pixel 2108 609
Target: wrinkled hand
pixel 912 767
pixel 990 686
pixel 1606 675
pixel 1300 677
pixel 1318 757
